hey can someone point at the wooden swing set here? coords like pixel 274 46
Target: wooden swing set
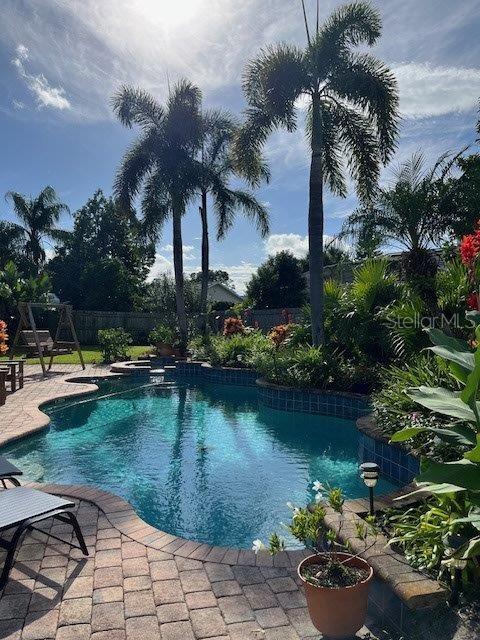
pixel 38 341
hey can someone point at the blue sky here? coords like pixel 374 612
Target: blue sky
pixel 61 60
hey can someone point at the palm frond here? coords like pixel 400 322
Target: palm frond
pixel 136 163
pixel 136 106
pixel 274 80
pixel 368 84
pixel 353 24
pixel 360 146
pixel 333 169
pixel 21 205
pixel 155 206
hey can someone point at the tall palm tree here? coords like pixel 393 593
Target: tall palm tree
pixel 408 212
pixel 162 164
pixel 218 133
pixel 352 113
pixel 38 218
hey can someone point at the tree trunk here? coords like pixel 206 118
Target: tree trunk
pixel 315 225
pixel 205 264
pixel 177 212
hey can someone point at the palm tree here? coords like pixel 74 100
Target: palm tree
pixel 38 217
pixel 218 132
pixel 408 212
pixel 352 112
pixel 162 164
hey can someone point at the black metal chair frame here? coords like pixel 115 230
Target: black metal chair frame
pixel 10 546
pixel 8 471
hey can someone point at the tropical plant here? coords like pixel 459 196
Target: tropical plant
pixel 163 163
pixel 357 322
pixel 38 219
pixel 461 476
pixel 15 288
pixel 235 350
pixel 407 213
pixel 352 110
pixel 114 344
pixel 218 132
pixel 424 532
pixel 453 286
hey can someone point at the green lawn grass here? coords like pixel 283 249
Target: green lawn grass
pixel 90 354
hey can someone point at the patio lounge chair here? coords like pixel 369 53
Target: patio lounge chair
pixel 9 471
pixel 21 508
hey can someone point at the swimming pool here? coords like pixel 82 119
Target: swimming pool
pixel 199 461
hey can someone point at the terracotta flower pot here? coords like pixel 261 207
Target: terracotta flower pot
pixel 164 349
pixel 337 613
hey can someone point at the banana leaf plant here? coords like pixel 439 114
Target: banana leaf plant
pixel 461 475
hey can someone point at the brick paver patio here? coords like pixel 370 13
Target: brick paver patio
pixel 138 583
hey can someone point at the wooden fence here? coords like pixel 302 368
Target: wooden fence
pixel 138 324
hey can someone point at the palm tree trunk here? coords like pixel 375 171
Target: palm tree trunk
pixel 315 225
pixel 205 263
pixel 177 212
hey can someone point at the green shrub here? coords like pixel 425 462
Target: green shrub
pixel 162 334
pixel 391 402
pixel 114 344
pixel 235 350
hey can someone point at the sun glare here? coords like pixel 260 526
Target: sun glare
pixel 170 13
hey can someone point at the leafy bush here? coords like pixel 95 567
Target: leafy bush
pixel 423 532
pixel 391 402
pixel 162 334
pixel 114 344
pixel 236 350
pixel 459 478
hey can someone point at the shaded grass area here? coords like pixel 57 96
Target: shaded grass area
pixel 91 354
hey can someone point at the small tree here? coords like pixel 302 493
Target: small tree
pixel 278 283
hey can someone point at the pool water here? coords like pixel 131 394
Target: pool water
pixel 199 461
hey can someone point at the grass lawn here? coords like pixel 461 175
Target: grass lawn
pixel 90 354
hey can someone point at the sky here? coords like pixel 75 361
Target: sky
pixel 61 61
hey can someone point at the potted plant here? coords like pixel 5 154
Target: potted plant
pixel 163 340
pixel 336 581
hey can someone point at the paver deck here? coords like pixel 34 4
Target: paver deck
pixel 138 583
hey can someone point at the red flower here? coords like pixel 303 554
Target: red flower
pixel 468 250
pixel 472 301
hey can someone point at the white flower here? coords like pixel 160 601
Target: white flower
pixel 296 512
pixel 318 486
pixel 257 545
pixel 318 497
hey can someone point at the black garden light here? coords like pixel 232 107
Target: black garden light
pixel 370 473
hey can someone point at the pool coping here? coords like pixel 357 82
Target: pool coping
pixel 123 517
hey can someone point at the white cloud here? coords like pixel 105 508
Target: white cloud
pixel 240 274
pixel 427 90
pixel 18 104
pixel 160 266
pixel 293 242
pixel 46 94
pixel 188 251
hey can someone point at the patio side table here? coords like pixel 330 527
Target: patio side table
pixel 16 371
